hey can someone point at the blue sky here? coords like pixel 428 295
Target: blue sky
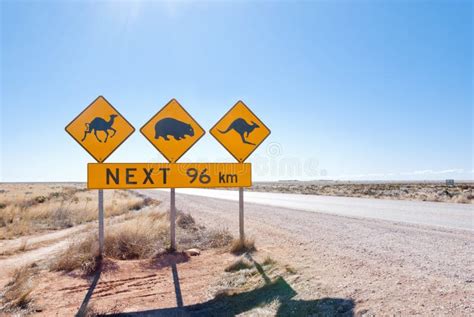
pixel 350 89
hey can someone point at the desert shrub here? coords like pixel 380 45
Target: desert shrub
pixel 55 195
pixel 40 199
pixel 185 221
pixel 138 236
pixel 82 254
pixel 242 263
pixel 6 216
pixel 17 293
pixel 238 246
pixel 142 202
pixel 219 238
pixel 62 218
pixel 61 209
pixel 136 239
pixel 191 235
pixel 269 261
pixel 290 269
pixel 14 223
pixel 463 198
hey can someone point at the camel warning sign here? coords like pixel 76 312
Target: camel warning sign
pixel 172 131
pixel 240 131
pixel 100 129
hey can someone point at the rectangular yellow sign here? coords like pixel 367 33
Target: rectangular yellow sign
pixel 168 175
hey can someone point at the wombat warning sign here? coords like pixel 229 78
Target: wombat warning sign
pixel 240 131
pixel 172 131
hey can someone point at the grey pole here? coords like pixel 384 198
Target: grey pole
pixel 172 220
pixel 101 222
pixel 241 215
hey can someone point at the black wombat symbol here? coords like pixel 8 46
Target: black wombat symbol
pixel 243 128
pixel 99 124
pixel 173 127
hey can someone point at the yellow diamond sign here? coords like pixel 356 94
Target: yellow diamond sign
pixel 100 129
pixel 172 131
pixel 240 131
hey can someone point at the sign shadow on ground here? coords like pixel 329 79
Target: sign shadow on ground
pixel 234 304
pixel 83 309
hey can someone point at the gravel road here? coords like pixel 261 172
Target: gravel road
pixel 448 215
pixel 386 267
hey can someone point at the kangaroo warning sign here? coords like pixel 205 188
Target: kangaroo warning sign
pixel 172 131
pixel 240 131
pixel 165 175
pixel 100 129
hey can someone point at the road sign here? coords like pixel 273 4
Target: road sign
pixel 240 131
pixel 168 175
pixel 100 129
pixel 172 131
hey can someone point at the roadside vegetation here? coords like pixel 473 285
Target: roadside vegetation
pixel 238 246
pixel 135 231
pixel 254 285
pixel 130 235
pixel 141 236
pixel 16 295
pixel 438 192
pixel 27 209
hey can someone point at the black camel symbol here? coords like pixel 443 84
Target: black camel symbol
pixel 241 126
pixel 99 124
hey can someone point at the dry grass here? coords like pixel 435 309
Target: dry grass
pixel 241 263
pixel 247 279
pixel 436 191
pixel 269 261
pixel 83 255
pixel 237 246
pixel 137 238
pixel 218 238
pixel 17 293
pixel 185 221
pixel 290 269
pixel 192 235
pixel 30 208
pixel 141 236
pixel 21 248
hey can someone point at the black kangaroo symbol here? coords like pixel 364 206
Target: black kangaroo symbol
pixel 243 128
pixel 99 124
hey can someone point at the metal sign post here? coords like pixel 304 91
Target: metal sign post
pixel 100 129
pixel 172 131
pixel 172 220
pixel 101 223
pixel 241 215
pixel 240 132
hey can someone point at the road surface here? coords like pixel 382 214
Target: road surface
pixel 448 215
pixel 399 258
